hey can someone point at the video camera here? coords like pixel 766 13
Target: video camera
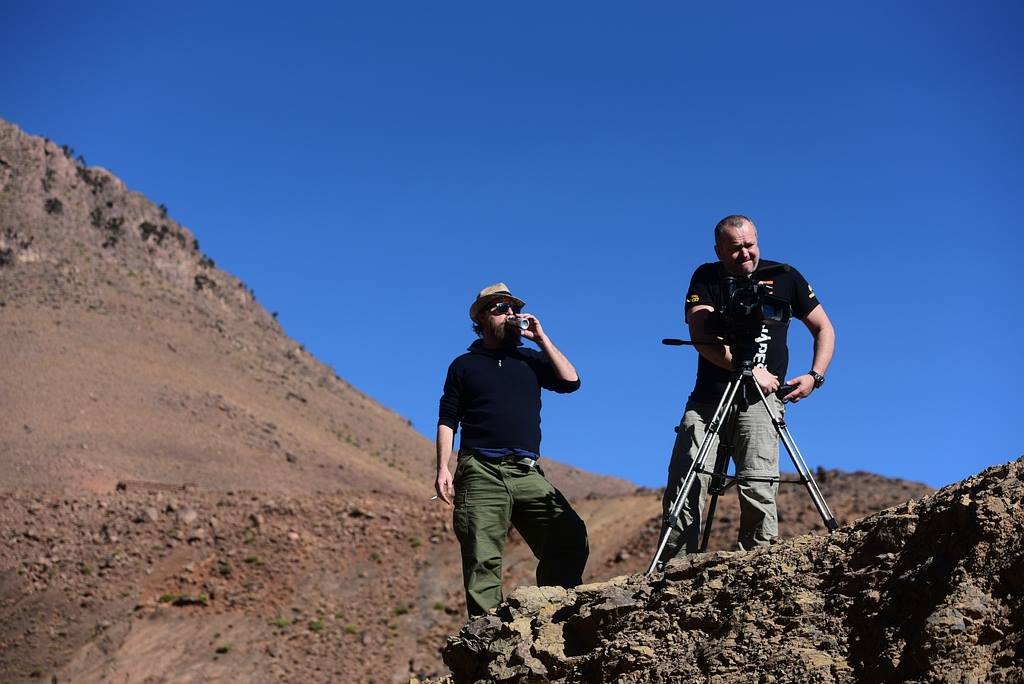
pixel 747 305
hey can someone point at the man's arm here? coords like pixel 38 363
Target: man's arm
pixel 444 485
pixel 448 415
pixel 719 354
pixel 564 370
pixel 824 334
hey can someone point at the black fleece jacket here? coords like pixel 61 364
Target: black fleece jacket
pixel 495 395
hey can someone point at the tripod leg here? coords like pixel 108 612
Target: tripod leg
pixel 716 489
pixel 801 466
pixel 719 481
pixel 697 465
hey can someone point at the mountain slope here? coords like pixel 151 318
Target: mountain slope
pixel 129 355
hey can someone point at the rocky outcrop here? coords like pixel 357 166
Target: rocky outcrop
pixel 926 591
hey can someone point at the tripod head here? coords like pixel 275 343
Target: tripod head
pixel 743 365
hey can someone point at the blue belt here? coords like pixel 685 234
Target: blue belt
pixel 505 455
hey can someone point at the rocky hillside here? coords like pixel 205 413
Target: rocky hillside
pixel 929 591
pixel 128 354
pixel 175 585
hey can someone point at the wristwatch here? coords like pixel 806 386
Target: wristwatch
pixel 819 379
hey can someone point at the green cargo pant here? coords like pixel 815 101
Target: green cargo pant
pixel 489 495
pixel 755 453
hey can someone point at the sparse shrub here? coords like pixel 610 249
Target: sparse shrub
pixel 351 629
pixel 283 622
pixel 47 180
pixel 204 282
pixel 68 151
pixel 168 598
pixel 6 257
pixel 96 217
pixel 94 179
pixel 253 560
pixel 114 230
pixel 54 206
pixel 207 262
pixel 402 610
pixel 163 210
pixel 316 625
pixel 415 543
pixel 150 230
pixel 439 605
pixel 224 648
pixel 374 556
pixel 200 600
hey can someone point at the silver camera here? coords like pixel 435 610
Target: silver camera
pixel 519 322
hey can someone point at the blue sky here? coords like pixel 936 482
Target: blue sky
pixel 367 167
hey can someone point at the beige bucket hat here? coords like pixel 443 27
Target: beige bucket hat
pixel 488 295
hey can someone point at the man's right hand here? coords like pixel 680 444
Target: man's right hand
pixel 768 382
pixel 445 486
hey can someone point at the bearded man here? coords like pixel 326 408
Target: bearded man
pixel 493 392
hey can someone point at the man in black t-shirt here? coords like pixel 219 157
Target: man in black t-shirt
pixel 751 432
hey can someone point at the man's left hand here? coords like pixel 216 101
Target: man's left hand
pixel 804 386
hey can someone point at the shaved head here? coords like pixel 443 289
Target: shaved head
pixel 732 221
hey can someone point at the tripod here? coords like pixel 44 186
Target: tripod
pixel 719 479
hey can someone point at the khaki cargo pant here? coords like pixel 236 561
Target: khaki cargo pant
pixel 755 453
pixel 490 495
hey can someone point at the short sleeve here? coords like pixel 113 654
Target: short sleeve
pixel 700 291
pixel 804 298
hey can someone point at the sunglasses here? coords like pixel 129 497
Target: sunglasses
pixel 505 308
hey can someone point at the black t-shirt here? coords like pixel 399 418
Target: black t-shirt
pixel 769 346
